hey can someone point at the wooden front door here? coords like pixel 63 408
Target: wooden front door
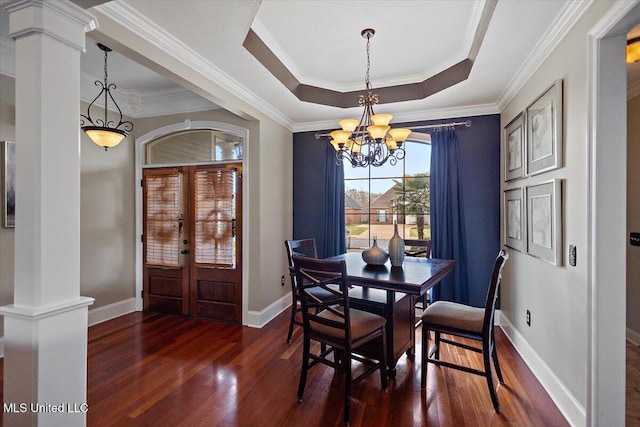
pixel 192 251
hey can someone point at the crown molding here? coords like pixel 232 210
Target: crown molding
pixel 152 33
pixel 132 103
pixel 566 19
pixel 413 116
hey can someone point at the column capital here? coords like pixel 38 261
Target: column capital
pixel 61 20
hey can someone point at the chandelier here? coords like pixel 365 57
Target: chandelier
pixel 369 141
pixel 104 132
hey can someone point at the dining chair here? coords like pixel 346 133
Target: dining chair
pixel 302 247
pixel 460 320
pixel 332 323
pixel 419 248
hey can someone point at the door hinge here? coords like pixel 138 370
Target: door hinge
pixel 141 293
pixel 142 238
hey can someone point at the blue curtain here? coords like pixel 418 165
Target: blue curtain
pixel 334 223
pixel 447 215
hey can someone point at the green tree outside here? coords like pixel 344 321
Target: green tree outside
pixel 412 198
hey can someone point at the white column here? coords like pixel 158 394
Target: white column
pixel 45 337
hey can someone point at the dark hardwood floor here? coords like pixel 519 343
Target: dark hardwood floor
pixel 152 369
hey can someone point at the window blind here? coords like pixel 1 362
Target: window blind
pixel 163 203
pixel 215 205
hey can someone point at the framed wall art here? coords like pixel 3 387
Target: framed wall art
pixel 9 183
pixel 514 149
pixel 544 131
pixel 514 214
pixel 544 221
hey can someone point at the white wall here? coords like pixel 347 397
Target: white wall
pixel 556 295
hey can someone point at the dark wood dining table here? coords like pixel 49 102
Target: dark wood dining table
pixel 391 292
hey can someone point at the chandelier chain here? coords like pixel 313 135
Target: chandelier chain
pixel 105 68
pixel 367 81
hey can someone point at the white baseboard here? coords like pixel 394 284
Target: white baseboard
pixel 561 396
pixel 111 311
pixel 257 319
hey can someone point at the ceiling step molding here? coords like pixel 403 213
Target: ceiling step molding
pixel 414 116
pixel 566 19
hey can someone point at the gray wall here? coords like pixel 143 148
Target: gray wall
pixel 633 217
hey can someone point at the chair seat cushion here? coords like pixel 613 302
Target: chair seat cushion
pixel 362 323
pixel 454 315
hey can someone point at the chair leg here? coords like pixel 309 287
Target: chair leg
pixel 383 361
pixel 306 346
pixel 294 309
pixel 496 364
pixel 425 352
pixel 346 361
pixel 436 341
pixel 494 355
pixel 486 355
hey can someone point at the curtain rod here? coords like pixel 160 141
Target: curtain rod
pixel 442 125
pixel 439 125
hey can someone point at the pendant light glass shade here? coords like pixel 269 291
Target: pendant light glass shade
pixel 104 138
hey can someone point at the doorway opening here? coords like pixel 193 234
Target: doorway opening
pixel 189 212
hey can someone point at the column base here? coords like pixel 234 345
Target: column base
pixel 45 364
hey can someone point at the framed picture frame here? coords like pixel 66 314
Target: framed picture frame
pixel 9 184
pixel 514 224
pixel 514 149
pixel 544 221
pixel 544 131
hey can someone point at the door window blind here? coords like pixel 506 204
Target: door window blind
pixel 164 219
pixel 215 205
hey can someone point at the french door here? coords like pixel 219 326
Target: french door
pixel 192 241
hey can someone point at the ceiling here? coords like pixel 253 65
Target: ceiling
pixel 319 44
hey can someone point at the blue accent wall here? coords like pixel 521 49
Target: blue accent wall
pixel 309 177
pixel 480 183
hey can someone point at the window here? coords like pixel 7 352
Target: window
pixel 376 197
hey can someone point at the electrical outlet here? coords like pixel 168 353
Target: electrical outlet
pixel 282 281
pixel 572 255
pixel 528 318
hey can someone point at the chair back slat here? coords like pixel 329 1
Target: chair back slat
pixel 423 244
pixel 322 287
pixel 302 247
